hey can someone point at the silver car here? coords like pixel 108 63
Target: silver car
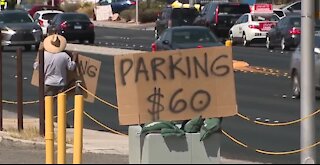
pixel 19 29
pixel 295 67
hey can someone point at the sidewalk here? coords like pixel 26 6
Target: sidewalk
pixel 125 25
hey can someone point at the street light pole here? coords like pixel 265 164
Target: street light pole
pixel 191 3
pixel 307 132
pixel 137 12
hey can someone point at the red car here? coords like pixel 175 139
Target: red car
pixel 36 8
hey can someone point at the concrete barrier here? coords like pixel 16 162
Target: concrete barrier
pixel 154 149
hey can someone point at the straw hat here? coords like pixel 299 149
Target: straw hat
pixel 54 43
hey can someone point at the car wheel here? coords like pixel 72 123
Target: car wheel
pixel 296 90
pixel 245 42
pixel 268 43
pixel 27 47
pixel 91 41
pixel 232 39
pixel 156 34
pixel 284 45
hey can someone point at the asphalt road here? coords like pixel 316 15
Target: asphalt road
pixel 259 96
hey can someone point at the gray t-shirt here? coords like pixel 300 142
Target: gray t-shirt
pixel 56 67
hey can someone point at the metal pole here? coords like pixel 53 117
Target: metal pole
pixel 49 138
pixel 62 121
pixel 137 12
pixel 52 2
pixel 307 82
pixel 41 93
pixel 1 107
pixel 191 3
pixel 19 90
pixel 78 125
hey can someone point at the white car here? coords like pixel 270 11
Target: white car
pixel 252 28
pixel 43 17
pixel 292 8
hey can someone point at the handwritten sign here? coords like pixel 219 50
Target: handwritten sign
pixel 103 13
pixel 175 85
pixel 87 71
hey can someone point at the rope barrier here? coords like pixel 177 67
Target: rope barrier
pixel 104 126
pixel 269 152
pixel 98 98
pixel 66 113
pixel 36 101
pixel 279 124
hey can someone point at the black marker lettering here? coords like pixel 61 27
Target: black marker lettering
pixel 155 63
pixel 174 67
pixel 123 73
pixel 225 67
pixel 141 69
pixel 204 68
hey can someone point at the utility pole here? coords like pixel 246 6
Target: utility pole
pixel 191 3
pixel 137 12
pixel 307 132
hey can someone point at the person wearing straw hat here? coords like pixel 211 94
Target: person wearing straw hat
pixel 56 64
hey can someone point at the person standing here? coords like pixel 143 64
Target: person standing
pixel 3 4
pixel 56 64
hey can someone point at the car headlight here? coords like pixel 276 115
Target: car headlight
pixel 7 30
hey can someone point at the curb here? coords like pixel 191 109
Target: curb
pixel 100 50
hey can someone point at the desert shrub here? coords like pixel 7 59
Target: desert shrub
pixel 86 8
pixel 70 7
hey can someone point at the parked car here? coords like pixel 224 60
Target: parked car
pixel 251 28
pixel 286 34
pixel 40 7
pixel 184 37
pixel 280 13
pixel 42 18
pixel 73 26
pixel 118 5
pixel 292 8
pixel 221 16
pixel 19 29
pixel 295 67
pixel 171 17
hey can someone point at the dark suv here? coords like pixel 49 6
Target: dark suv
pixel 171 17
pixel 221 16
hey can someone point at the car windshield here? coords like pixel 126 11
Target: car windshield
pixel 15 18
pixel 234 9
pixel 184 13
pixel 49 16
pixel 75 17
pixel 183 36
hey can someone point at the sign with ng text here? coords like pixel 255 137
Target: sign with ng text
pixel 175 85
pixel 87 71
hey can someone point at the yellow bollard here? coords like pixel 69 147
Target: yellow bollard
pixel 49 133
pixel 62 121
pixel 78 130
pixel 228 43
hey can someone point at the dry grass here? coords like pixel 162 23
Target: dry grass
pixel 32 133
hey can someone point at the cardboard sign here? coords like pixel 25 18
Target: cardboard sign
pixel 103 13
pixel 175 85
pixel 87 71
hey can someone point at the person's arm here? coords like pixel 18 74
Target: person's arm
pixel 72 61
